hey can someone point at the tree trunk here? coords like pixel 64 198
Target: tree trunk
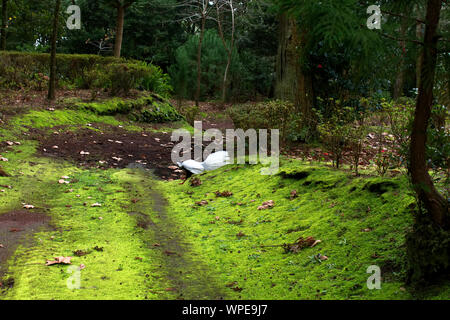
pixel 199 61
pixel 52 82
pixel 400 79
pixel 4 24
pixel 419 36
pixel 292 83
pixel 435 204
pixel 119 31
pixel 228 49
pixel 225 78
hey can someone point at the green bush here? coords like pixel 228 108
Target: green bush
pixel 26 70
pixel 272 114
pixel 154 79
pixel 190 113
pixel 400 116
pixel 334 135
pixel 123 77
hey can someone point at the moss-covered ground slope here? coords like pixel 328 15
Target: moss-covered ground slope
pixel 153 239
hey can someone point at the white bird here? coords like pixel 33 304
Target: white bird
pixel 213 162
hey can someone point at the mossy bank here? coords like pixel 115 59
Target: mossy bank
pixel 153 239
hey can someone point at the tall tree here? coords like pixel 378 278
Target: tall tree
pixel 53 75
pixel 431 199
pixel 198 11
pixel 121 6
pixel 4 24
pixel 227 6
pixel 292 83
pixel 400 78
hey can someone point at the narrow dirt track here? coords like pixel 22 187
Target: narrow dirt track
pixel 190 277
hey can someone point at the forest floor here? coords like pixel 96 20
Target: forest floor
pixel 102 190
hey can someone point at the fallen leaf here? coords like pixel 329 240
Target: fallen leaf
pixel 195 182
pixel 224 194
pixel 202 203
pixel 294 194
pixel 80 253
pixel 82 266
pixel 300 244
pixel 267 205
pixel 59 260
pixel 170 253
pixel 316 243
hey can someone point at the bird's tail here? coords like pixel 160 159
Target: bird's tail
pixel 216 160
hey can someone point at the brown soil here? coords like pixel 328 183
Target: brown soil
pixel 130 149
pixel 15 228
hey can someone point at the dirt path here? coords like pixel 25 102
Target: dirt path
pixel 111 147
pixel 189 276
pixel 15 228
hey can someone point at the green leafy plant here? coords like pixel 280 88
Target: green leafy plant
pixel 271 114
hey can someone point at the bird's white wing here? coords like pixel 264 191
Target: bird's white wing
pixel 193 166
pixel 216 160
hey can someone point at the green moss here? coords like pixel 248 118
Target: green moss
pixel 362 221
pixel 149 109
pixel 45 119
pixel 114 272
pixel 331 206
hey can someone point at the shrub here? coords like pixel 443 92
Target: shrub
pixel 26 70
pixel 154 80
pixel 190 113
pixel 272 114
pixel 123 77
pixel 357 133
pixel 336 129
pixel 400 116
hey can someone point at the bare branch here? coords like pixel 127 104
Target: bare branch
pixel 401 40
pixel 402 16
